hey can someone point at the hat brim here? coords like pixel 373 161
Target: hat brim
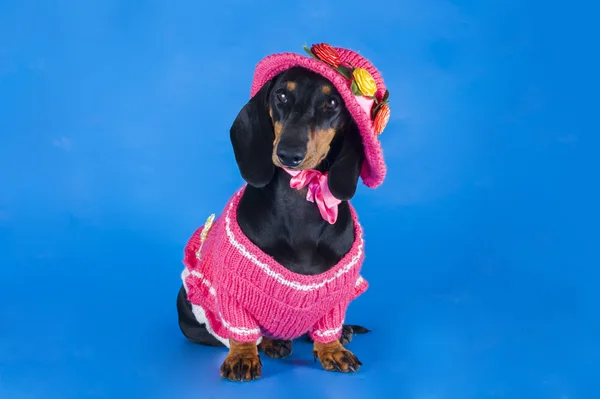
pixel 374 168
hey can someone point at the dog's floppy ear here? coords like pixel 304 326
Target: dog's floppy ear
pixel 252 138
pixel 345 169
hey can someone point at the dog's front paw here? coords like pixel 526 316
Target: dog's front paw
pixel 276 348
pixel 334 357
pixel 242 363
pixel 241 367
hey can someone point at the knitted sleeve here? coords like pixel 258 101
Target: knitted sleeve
pixel 238 323
pixel 329 327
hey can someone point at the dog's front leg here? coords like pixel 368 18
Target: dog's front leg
pixel 242 363
pixel 327 335
pixel 334 357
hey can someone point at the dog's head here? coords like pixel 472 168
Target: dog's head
pixel 298 121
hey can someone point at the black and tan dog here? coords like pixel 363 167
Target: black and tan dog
pixel 296 121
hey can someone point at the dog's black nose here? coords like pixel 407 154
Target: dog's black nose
pixel 290 157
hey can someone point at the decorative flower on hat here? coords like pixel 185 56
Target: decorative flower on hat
pixel 326 53
pixel 362 83
pixel 382 118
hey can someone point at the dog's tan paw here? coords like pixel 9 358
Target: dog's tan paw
pixel 334 357
pixel 242 363
pixel 242 368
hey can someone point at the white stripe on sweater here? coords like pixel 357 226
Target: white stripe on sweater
pixel 204 281
pixel 211 289
pixel 328 333
pixel 239 330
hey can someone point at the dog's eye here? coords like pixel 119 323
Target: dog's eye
pixel 331 103
pixel 281 96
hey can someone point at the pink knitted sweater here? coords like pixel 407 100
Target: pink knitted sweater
pixel 239 292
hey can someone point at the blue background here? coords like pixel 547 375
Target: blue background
pixel 482 245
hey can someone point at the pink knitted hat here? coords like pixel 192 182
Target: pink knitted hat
pixel 360 85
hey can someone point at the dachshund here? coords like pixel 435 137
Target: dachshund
pixel 296 121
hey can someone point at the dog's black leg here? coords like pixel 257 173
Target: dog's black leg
pixel 348 331
pixel 276 348
pixel 188 324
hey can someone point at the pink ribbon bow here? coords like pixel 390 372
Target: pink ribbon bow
pixel 318 191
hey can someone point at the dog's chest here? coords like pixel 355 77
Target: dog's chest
pixel 303 251
pixel 290 229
